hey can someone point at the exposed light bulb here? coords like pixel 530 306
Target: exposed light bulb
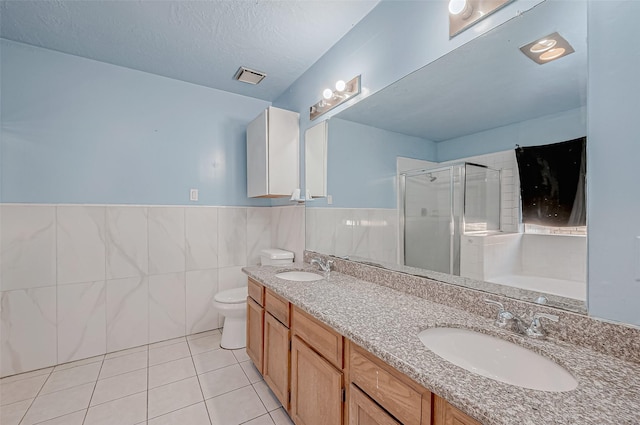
pixel 341 85
pixel 327 94
pixel 460 7
pixel 543 45
pixel 457 6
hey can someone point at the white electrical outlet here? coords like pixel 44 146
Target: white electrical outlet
pixel 329 199
pixel 193 194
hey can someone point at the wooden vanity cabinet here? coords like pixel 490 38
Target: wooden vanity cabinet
pixel 364 411
pixel 403 399
pixel 313 371
pixel 445 414
pixel 277 337
pixel 255 323
pixel 317 379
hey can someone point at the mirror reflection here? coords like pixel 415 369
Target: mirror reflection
pixel 422 176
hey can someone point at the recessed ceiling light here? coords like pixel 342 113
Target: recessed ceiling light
pixel 543 45
pixel 552 54
pixel 249 76
pixel 548 48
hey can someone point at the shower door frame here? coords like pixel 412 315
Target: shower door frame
pixel 402 209
pixel 463 183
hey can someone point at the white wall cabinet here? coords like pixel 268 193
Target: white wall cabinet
pixel 273 157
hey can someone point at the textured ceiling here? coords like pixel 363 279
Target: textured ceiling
pixel 488 82
pixel 202 42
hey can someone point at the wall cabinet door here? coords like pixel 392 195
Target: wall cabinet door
pixel 364 411
pixel 272 153
pixel 255 326
pixel 316 388
pixel 276 358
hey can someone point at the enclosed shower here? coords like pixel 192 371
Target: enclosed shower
pixel 438 205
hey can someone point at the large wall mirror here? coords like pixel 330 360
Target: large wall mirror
pixel 440 143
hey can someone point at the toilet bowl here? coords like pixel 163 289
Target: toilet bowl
pixel 232 304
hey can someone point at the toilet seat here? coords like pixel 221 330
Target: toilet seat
pixel 232 296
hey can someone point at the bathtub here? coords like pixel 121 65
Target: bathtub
pixel 564 288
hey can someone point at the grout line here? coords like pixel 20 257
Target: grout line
pixel 34 398
pixel 95 384
pixel 50 419
pixel 146 412
pixel 199 384
pixel 266 414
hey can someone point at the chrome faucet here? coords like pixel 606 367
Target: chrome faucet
pixel 506 319
pixel 324 266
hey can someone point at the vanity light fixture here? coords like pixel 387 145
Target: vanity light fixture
pixel 465 13
pixel 547 49
pixel 332 98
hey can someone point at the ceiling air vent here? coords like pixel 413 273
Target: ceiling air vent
pixel 250 76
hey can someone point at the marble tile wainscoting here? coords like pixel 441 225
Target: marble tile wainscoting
pixel 370 233
pixel 78 281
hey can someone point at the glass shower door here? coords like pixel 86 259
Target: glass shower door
pixel 428 221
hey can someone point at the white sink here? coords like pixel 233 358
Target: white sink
pixel 299 276
pixel 497 359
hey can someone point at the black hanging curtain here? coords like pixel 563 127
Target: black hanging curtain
pixel 552 183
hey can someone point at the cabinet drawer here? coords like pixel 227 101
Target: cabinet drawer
pixel 446 414
pixel 256 291
pixel 278 307
pixel 319 336
pixel 385 386
pixel 364 411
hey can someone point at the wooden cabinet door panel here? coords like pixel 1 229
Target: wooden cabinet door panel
pixel 316 388
pixel 255 326
pixel 446 414
pixel 276 358
pixel 364 411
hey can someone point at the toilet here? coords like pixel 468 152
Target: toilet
pixel 232 303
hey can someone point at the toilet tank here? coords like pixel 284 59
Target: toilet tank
pixel 275 257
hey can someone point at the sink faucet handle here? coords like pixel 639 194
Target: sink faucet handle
pixel 535 329
pixel 551 317
pixel 502 320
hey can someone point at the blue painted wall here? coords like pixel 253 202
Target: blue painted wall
pixel 394 39
pixel 76 130
pixel 361 164
pixel 554 128
pixel 613 151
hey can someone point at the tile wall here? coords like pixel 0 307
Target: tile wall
pixel 509 189
pixel 78 281
pixel 370 233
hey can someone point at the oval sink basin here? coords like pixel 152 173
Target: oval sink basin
pixel 497 359
pixel 299 276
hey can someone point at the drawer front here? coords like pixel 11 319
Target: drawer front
pixel 278 307
pixel 256 291
pixel 364 411
pixel 385 387
pixel 320 337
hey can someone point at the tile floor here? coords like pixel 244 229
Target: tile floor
pixel 183 381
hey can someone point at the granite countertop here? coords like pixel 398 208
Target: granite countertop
pixel 386 322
